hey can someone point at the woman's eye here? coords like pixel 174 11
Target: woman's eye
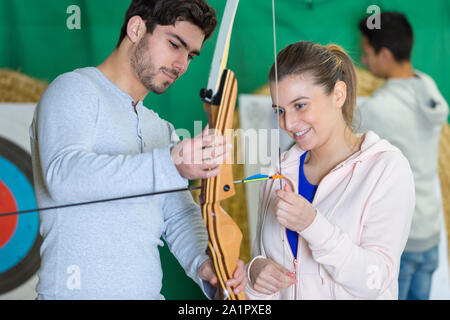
pixel 278 111
pixel 300 105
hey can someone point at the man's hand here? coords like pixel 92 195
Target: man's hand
pixel 206 272
pixel 200 157
pixel 239 281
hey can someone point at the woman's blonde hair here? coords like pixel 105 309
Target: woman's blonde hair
pixel 327 65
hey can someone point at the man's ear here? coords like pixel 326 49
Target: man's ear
pixel 136 28
pixel 340 93
pixel 386 55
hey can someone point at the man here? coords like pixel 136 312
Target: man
pixel 92 139
pixel 409 111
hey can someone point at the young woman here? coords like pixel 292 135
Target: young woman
pixel 338 226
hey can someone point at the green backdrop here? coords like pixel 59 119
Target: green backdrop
pixel 35 39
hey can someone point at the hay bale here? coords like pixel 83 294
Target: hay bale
pixel 444 176
pixel 367 82
pixel 18 87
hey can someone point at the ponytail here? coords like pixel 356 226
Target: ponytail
pixel 347 74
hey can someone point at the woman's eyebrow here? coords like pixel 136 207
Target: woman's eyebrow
pixel 298 98
pixel 295 100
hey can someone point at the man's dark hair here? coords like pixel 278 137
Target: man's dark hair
pixel 167 12
pixel 395 34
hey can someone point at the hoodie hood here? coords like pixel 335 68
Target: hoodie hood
pixel 422 93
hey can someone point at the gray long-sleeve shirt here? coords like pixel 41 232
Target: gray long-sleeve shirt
pixel 88 143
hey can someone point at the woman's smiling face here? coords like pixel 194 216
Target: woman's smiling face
pixel 307 113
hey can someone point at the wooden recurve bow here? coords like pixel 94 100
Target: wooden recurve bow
pixel 219 99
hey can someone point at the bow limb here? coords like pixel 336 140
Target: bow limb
pixel 219 97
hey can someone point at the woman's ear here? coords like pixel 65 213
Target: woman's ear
pixel 340 93
pixel 136 28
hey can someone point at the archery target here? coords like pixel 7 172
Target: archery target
pixel 19 235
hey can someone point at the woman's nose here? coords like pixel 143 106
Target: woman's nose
pixel 289 121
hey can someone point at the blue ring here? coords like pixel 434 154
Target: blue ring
pixel 27 225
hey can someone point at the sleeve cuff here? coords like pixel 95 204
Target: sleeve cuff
pixel 318 232
pixel 250 265
pixel 165 170
pixel 208 289
pixel 250 292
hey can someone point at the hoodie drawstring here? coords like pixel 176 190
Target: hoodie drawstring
pixel 321 274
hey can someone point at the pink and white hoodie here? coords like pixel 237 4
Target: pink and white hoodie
pixel 352 248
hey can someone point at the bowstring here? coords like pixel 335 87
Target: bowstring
pixel 275 51
pixel 276 85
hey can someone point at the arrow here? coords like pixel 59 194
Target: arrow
pixel 255 178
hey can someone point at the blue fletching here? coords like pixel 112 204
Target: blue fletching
pixel 257 177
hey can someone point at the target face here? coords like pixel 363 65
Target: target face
pixel 19 235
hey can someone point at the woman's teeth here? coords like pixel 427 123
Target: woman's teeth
pixel 300 133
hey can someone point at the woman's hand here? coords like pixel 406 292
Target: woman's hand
pixel 238 283
pixel 268 277
pixel 239 280
pixel 292 210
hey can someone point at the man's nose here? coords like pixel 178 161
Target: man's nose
pixel 364 60
pixel 181 64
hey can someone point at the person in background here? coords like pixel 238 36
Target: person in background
pixel 338 226
pixel 92 138
pixel 408 111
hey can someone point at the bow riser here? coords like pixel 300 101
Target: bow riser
pixel 220 118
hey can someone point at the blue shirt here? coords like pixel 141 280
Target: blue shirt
pixel 307 191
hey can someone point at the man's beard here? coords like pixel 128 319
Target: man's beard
pixel 146 70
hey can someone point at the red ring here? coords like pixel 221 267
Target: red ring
pixel 8 224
